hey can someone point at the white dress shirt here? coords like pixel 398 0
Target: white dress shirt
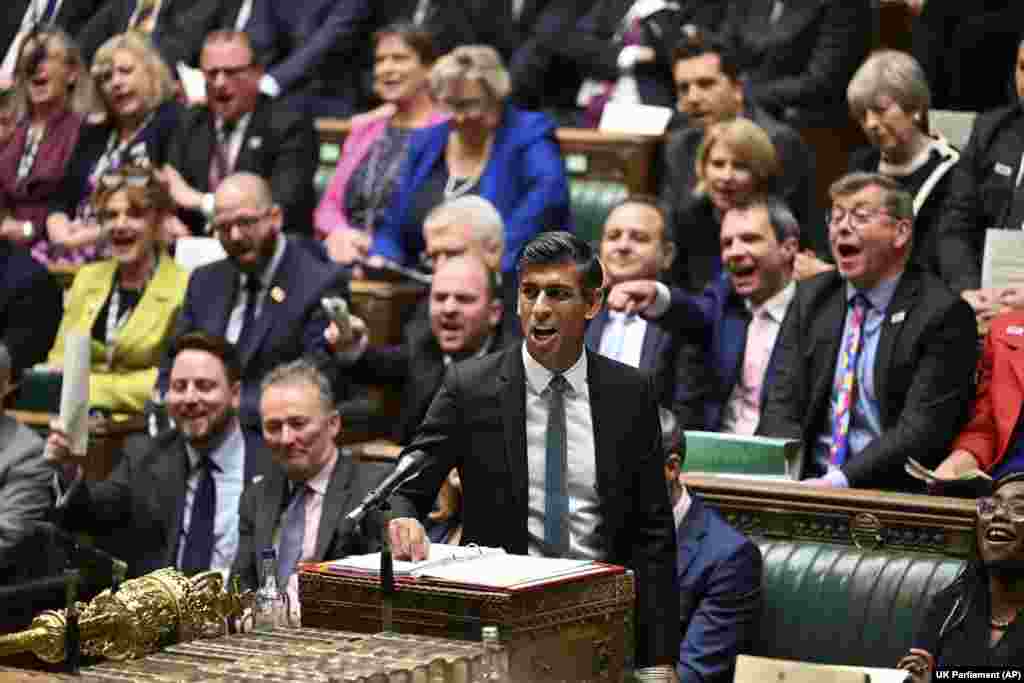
pixel 228 482
pixel 630 344
pixel 581 460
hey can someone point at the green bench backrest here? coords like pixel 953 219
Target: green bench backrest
pixel 721 453
pixel 834 604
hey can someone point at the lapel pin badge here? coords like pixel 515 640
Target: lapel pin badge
pixel 255 142
pixel 277 294
pixel 898 317
pixel 1002 169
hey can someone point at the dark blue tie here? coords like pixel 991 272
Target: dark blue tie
pixel 48 17
pixel 293 532
pixel 199 540
pixel 556 496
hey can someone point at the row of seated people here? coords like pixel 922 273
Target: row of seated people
pixel 565 55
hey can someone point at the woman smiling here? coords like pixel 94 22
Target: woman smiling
pixel 128 303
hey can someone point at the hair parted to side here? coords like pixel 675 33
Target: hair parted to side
pixel 141 47
pixel 213 345
pixel 418 39
pixel 892 74
pixel 897 202
pixel 747 141
pixel 558 247
pixel 37 46
pixel 479 213
pixel 780 216
pixel 480 63
pixel 301 371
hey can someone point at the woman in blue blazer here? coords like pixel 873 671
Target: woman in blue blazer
pixel 488 147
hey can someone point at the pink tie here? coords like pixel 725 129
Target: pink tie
pixel 844 392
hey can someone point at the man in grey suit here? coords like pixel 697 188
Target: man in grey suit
pixel 25 493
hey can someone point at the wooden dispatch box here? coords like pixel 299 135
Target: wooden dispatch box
pixel 570 631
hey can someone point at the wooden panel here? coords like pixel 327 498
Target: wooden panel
pixel 615 157
pixel 106 438
pixel 863 518
pixel 384 306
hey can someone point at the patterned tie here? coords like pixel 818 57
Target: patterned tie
pixel 144 15
pixel 198 550
pixel 844 393
pixel 556 496
pixel 48 13
pixel 293 532
pixel 220 164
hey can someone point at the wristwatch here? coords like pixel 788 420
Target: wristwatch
pixel 28 230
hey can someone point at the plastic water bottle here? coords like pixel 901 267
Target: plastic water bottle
pixel 496 669
pixel 271 608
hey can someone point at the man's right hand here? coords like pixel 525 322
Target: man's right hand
pixel 184 195
pixel 409 539
pixel 633 296
pixel 357 332
pixel 58 452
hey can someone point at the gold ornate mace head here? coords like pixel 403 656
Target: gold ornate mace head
pixel 146 614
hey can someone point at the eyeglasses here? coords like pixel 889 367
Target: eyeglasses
pixel 1014 508
pixel 243 223
pixel 119 179
pixel 859 216
pixel 228 72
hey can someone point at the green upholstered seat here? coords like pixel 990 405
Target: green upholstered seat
pixel 330 152
pixel 722 453
pixel 835 604
pixel 590 202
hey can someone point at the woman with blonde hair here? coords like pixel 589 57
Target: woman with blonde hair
pixel 139 116
pixel 489 148
pixel 53 93
pixel 126 304
pixel 736 162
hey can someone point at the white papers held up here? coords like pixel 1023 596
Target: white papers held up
pixel 635 119
pixel 1003 260
pixel 74 393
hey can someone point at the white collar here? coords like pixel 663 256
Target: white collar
pixel 682 506
pixel 777 304
pixel 538 377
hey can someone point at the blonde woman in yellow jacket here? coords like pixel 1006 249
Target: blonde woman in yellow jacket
pixel 128 303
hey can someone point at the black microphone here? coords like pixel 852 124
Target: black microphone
pixel 409 467
pixel 91 554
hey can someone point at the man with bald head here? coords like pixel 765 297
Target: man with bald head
pixel 463 322
pixel 264 297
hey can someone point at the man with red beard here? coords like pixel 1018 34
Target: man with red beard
pixel 733 324
pixel 465 313
pixel 172 500
pixel 264 297
pixel 240 130
pixel 876 359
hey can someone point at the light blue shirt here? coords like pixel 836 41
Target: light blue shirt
pixel 228 481
pixel 866 416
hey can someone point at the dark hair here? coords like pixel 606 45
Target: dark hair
pixel 668 233
pixel 558 247
pixel 418 39
pixel 897 201
pixel 780 217
pixel 213 345
pixel 1008 479
pixel 696 42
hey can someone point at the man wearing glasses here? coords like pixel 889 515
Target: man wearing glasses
pixel 265 296
pixel 875 359
pixel 238 130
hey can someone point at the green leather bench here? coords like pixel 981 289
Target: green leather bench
pixel 721 453
pixel 833 604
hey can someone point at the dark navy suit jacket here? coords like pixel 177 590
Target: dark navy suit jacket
pixel 719 576
pixel 290 325
pixel 658 356
pixel 717 319
pixel 31 306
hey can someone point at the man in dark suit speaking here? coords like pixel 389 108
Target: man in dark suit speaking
pixel 558 448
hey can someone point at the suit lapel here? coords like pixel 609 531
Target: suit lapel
pixel 171 471
pixel 512 388
pixel 902 301
pixel 252 143
pixel 269 513
pixel 595 329
pixel 690 535
pixel 335 503
pixel 654 339
pixel 604 410
pixel 827 336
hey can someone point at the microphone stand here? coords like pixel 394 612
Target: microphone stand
pixel 72 633
pixel 387 570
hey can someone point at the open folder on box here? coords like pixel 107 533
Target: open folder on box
pixel 475 567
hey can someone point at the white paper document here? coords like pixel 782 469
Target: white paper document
pixel 636 119
pixel 192 252
pixel 74 393
pixel 440 553
pixel 1002 263
pixel 193 82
